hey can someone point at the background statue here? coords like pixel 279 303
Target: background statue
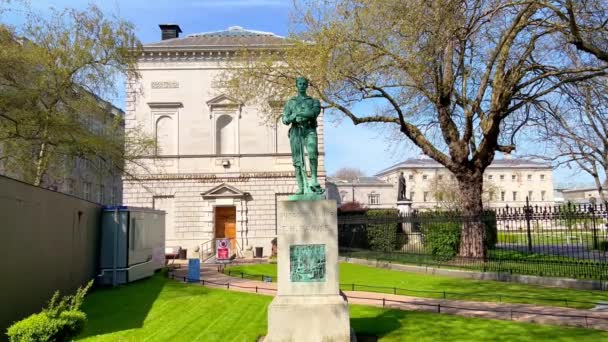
pixel 301 113
pixel 402 190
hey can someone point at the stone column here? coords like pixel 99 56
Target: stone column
pixel 308 306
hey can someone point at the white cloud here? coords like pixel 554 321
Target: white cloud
pixel 239 3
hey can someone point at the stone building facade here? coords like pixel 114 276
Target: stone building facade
pixel 93 179
pixel 219 168
pixel 430 185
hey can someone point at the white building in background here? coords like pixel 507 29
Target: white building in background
pixel 506 182
pixel 219 168
pixel 587 195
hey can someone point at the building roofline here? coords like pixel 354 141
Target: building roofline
pixel 431 164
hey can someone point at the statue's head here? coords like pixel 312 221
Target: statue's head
pixel 302 84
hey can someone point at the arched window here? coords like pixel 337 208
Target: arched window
pixel 165 141
pixel 225 142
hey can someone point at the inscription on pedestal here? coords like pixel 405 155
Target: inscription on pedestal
pixel 307 263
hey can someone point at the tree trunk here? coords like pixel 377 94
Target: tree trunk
pixel 473 230
pixel 41 164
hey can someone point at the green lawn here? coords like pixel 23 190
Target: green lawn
pixel 551 238
pixel 159 309
pixel 500 261
pixel 455 288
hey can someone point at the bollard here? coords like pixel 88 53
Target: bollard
pixel 443 294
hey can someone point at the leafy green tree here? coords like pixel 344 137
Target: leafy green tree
pixel 53 72
pixel 458 79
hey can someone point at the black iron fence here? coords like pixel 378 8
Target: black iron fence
pixel 559 241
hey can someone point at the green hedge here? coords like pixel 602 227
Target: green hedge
pixel 384 237
pixel 442 231
pixel 61 320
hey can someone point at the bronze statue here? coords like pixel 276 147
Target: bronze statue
pixel 301 113
pixel 402 190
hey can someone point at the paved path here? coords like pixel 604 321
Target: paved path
pixel 504 311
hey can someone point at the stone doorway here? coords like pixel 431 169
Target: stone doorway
pixel 225 225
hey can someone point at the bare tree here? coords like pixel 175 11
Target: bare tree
pixel 583 23
pixel 456 78
pixel 576 134
pixel 348 173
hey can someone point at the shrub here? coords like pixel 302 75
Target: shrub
pixel 442 239
pixel 603 246
pixel 59 321
pixel 383 236
pixel 442 231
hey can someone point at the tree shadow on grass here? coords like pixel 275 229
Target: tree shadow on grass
pixel 121 308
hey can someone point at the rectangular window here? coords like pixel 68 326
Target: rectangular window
pixel 411 177
pixel 373 198
pixel 86 190
pixel 490 177
pixel 491 195
pixel 513 177
pixel 542 177
pixel 529 178
pixel 529 195
pixel 502 196
pixel 70 186
pixel 514 195
pixel 542 195
pixel 426 196
pixel 412 195
pixel 440 177
pixel 424 177
pixel 502 177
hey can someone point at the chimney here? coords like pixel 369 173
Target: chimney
pixel 169 31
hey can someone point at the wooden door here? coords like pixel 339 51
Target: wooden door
pixel 225 225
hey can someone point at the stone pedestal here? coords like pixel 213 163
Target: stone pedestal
pixel 414 238
pixel 308 306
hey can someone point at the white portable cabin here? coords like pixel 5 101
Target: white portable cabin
pixel 132 244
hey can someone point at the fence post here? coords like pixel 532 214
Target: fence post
pixel 438 308
pixel 595 242
pixel 383 302
pixel 353 286
pixel 528 218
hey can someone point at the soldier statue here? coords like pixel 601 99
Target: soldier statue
pixel 301 113
pixel 402 190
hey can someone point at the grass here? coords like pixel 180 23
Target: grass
pixel 159 309
pixel 500 261
pixel 550 238
pixel 456 288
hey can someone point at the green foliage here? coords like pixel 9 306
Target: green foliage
pixel 59 321
pixel 603 246
pixel 442 231
pixel 51 84
pixel 442 239
pixel 383 236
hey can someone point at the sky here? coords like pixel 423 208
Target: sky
pixel 346 145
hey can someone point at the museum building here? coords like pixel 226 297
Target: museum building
pixel 219 168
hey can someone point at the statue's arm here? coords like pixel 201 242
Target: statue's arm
pixel 316 108
pixel 287 117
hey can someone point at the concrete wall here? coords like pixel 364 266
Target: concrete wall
pixel 49 242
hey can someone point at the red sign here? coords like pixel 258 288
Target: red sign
pixel 223 249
